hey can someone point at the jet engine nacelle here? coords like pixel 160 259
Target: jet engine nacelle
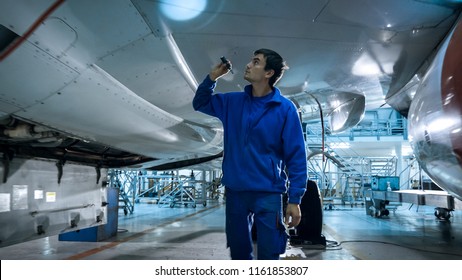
pixel 435 116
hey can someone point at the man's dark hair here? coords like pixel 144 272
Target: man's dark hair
pixel 273 62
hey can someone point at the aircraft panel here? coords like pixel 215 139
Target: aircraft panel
pixel 155 130
pixel 27 62
pixel 151 73
pixel 101 29
pixel 20 15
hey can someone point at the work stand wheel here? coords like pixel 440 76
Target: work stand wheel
pixel 381 213
pixel 442 213
pixel 377 213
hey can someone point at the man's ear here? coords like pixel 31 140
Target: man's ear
pixel 269 73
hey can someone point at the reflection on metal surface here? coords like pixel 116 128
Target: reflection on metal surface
pixel 435 114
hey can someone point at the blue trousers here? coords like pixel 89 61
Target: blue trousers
pixel 265 209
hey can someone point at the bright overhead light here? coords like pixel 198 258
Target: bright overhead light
pixel 182 10
pixel 442 124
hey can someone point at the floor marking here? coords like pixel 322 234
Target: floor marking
pixel 134 236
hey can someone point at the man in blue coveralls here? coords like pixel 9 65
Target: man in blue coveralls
pixel 262 138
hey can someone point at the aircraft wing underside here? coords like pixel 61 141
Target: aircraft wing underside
pixel 111 82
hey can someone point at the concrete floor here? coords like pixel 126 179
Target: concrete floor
pixel 185 233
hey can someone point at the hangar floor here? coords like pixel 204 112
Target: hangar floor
pixel 186 233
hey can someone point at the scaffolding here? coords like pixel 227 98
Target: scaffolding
pixel 183 192
pixel 342 174
pixel 348 178
pixel 166 188
pixel 126 181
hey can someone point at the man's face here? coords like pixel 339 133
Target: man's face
pixel 255 69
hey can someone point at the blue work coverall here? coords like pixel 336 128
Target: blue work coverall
pixel 262 137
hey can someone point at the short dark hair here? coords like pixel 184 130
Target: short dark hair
pixel 273 62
